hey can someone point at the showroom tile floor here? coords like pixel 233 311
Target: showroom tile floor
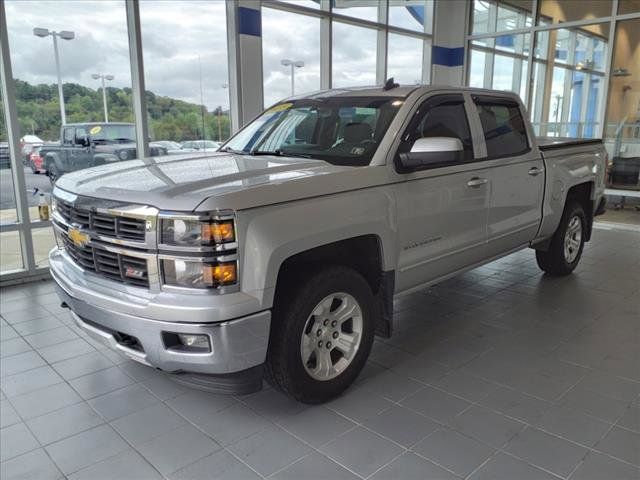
pixel 500 373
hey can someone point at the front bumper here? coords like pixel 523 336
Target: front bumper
pixel 236 345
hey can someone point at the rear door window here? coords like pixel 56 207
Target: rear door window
pixel 504 128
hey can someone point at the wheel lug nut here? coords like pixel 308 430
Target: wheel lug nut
pixel 328 344
pixel 335 334
pixel 319 332
pixel 334 323
pixel 320 344
pixel 326 322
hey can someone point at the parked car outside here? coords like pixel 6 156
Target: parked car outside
pixel 27 144
pixel 171 147
pixel 36 162
pixel 201 145
pixel 89 144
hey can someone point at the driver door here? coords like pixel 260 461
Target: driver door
pixel 442 209
pixel 80 154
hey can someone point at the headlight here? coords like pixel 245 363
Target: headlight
pixel 183 273
pixel 197 233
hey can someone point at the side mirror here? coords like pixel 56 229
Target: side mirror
pixel 432 152
pixel 83 141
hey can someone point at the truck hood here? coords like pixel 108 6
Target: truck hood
pixel 216 181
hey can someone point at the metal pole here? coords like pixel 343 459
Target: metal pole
pixel 60 93
pixel 13 136
pixel 293 79
pixel 202 107
pixel 104 101
pixel 137 78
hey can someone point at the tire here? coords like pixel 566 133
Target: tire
pixel 294 325
pixel 53 173
pixel 567 243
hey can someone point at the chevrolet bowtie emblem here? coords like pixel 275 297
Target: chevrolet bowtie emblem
pixel 78 238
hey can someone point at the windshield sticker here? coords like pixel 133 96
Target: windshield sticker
pixel 95 130
pixel 280 107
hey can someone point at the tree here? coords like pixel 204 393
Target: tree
pixel 169 118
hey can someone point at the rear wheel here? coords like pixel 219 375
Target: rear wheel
pixel 321 335
pixel 53 172
pixel 567 243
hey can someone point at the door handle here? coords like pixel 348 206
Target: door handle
pixel 535 171
pixel 476 182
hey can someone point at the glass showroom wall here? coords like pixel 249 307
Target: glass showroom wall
pixel 622 130
pixel 184 43
pixel 57 54
pixel 290 61
pixel 74 100
pixel 343 43
pixel 10 244
pixel 563 65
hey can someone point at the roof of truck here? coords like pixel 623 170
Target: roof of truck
pixel 401 91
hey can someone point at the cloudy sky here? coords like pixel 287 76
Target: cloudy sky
pixel 179 38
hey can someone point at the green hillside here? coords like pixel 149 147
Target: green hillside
pixel 170 119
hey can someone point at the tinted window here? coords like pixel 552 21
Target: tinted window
pixel 440 116
pixel 80 133
pixel 504 129
pixel 68 136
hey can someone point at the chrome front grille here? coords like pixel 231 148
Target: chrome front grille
pixel 104 224
pixel 115 266
pixel 110 239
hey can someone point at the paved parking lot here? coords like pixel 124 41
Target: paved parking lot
pixel 500 373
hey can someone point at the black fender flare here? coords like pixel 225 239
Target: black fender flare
pixel 53 157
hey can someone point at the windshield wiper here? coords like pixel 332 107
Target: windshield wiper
pixel 232 150
pixel 279 153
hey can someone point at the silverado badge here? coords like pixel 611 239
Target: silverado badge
pixel 78 238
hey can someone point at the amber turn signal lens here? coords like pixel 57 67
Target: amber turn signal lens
pixel 221 274
pixel 219 232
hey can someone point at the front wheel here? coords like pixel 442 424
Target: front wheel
pixel 567 243
pixel 321 335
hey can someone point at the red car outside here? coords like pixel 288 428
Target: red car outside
pixel 36 162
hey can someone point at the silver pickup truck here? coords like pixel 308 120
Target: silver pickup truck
pixel 280 256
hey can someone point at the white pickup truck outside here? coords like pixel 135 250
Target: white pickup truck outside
pixel 281 254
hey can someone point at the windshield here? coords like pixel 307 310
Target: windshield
pixel 115 133
pixel 339 130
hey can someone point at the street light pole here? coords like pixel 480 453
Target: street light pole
pixel 293 64
pixel 224 85
pixel 96 76
pixel 65 35
pixel 60 93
